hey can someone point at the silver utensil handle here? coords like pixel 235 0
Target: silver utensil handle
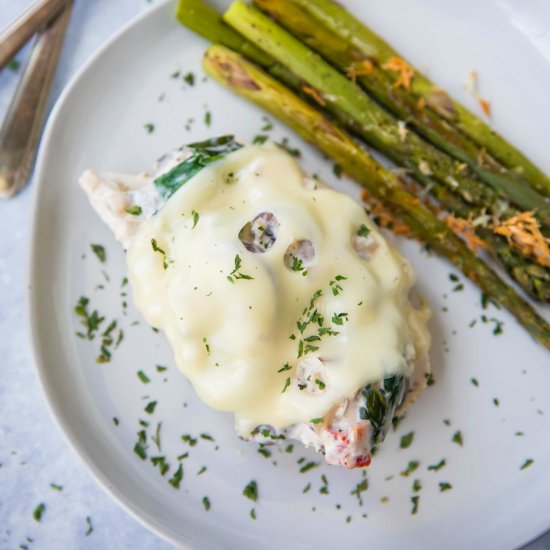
pixel 17 34
pixel 23 121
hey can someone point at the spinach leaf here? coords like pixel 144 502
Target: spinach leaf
pixel 203 153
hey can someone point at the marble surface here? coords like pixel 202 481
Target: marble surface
pixel 33 453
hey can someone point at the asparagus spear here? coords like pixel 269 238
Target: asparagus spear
pixel 374 124
pixel 246 79
pixel 208 23
pixel 360 38
pixel 399 101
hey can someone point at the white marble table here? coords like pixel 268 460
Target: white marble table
pixel 33 454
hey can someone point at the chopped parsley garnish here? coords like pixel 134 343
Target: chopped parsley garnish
pixel 337 170
pixel 417 485
pixel 268 125
pixel 457 438
pixel 336 288
pixel 411 467
pixel 320 383
pixel 285 368
pixel 307 488
pixel 454 278
pixel 143 377
pixel 115 421
pixel 90 321
pixel 160 461
pixel 289 448
pixel 208 118
pixel 316 420
pixel 287 384
pixel 195 218
pixel 56 487
pixel 266 453
pixel 298 265
pixel 38 511
pixel 430 380
pixel 99 251
pixel 150 408
pixel 526 464
pixel 251 491
pixel 175 480
pixel 406 440
pixel 175 74
pixel 363 231
pixel 292 151
pixel 206 503
pixel 135 210
pixel 260 139
pixel 161 368
pixel 149 128
pixel 206 345
pixel 165 260
pixel 496 402
pixel 474 382
pixel 444 486
pixel 309 466
pixel 339 318
pixel 415 500
pixel 438 466
pixel 206 437
pixel 201 471
pixel 236 274
pixel 189 78
pixel 360 488
pixel 186 438
pixel 253 513
pixel 90 526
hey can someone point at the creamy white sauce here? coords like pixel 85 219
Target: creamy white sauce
pixel 231 338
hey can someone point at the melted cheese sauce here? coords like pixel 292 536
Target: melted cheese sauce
pixel 232 337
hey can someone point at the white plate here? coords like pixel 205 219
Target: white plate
pixel 99 122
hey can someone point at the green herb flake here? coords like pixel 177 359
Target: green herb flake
pixel 150 408
pixel 438 466
pixel 260 139
pixel 287 384
pixel 474 382
pixel 99 251
pixel 363 231
pixel 496 402
pixel 189 78
pixel 206 437
pixel 416 486
pixel 134 210
pixel 175 480
pixel 444 486
pixel 526 464
pixel 90 529
pixel 317 420
pixel 406 440
pixel 415 501
pixel 251 491
pixel 149 128
pixel 411 467
pixel 360 488
pixel 337 170
pixel 160 368
pixel 253 513
pixel 206 345
pixel 457 438
pixel 186 438
pixel 307 488
pixel 143 377
pixel 195 218
pixel 268 125
pixel 38 512
pixel 208 118
pixel 206 503
pixel 139 449
pixel 56 487
pixel 160 461
pixel 285 368
pixel 202 470
pixel 236 274
pixel 309 466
